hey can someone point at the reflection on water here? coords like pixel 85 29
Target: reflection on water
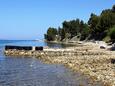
pixel 33 43
pixel 56 45
pixel 18 71
pixel 31 72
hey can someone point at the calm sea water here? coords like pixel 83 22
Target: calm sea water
pixel 18 71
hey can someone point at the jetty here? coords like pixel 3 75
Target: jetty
pixel 36 51
pixel 41 51
pixel 32 48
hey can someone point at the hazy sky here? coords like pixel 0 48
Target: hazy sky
pixel 29 19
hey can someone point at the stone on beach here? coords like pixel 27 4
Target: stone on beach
pixel 88 59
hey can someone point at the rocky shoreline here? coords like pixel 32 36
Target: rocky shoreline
pixel 88 59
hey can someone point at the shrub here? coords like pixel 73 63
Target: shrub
pixel 112 34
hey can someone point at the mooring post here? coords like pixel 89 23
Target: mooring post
pixel 33 48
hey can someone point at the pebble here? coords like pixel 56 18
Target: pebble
pixel 93 62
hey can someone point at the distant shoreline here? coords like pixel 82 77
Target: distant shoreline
pixel 66 43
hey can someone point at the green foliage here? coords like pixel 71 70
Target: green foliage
pixel 107 20
pixel 73 27
pixel 94 19
pixel 112 33
pixel 107 39
pixel 99 25
pixel 97 28
pixel 51 34
pixel 61 33
pixel 85 32
pixel 69 29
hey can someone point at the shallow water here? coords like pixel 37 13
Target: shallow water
pixel 16 71
pixel 25 71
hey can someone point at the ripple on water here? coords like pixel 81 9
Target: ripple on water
pixel 32 72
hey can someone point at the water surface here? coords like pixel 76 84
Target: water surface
pixel 32 72
pixel 29 71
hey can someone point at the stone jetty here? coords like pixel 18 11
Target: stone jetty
pixel 88 59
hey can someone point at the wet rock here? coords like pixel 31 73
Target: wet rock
pixel 102 47
pixel 112 48
pixel 113 61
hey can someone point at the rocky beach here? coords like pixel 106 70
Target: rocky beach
pixel 87 58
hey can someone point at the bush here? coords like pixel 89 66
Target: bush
pixel 107 39
pixel 112 34
pixel 51 34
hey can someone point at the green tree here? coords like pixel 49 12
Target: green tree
pixel 97 27
pixel 106 20
pixel 84 32
pixel 61 33
pixel 73 27
pixel 93 21
pixel 51 34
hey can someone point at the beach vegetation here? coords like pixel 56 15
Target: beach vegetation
pixel 51 34
pixel 97 28
pixel 112 34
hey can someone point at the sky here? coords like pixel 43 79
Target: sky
pixel 30 19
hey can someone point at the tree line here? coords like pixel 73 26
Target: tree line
pixel 98 27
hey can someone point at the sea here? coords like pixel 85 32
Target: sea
pixel 29 71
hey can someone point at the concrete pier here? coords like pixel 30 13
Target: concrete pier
pixel 40 51
pixel 31 48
